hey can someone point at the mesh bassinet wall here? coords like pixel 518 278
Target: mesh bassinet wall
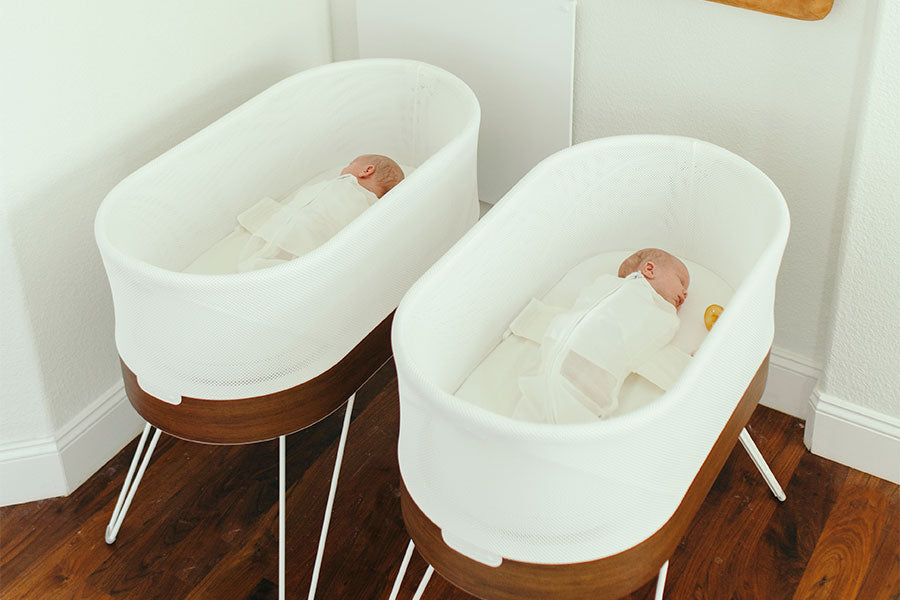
pixel 242 335
pixel 556 494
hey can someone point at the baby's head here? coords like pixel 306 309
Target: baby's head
pixel 666 274
pixel 375 172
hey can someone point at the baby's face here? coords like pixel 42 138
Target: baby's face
pixel 670 279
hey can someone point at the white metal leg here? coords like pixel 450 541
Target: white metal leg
pixel 761 464
pixel 131 483
pixel 331 494
pixel 281 515
pixel 661 581
pixel 402 572
pixel 424 583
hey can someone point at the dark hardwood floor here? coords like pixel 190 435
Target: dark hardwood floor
pixel 204 523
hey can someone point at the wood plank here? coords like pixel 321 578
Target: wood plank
pixel 806 10
pixel 738 507
pixel 371 475
pixel 779 438
pixel 165 525
pixel 848 542
pixel 26 528
pixel 62 528
pixel 786 545
pixel 882 580
pixel 366 515
pixel 61 570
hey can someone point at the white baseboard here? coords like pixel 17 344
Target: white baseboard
pixel 97 434
pixel 835 429
pixel 31 471
pixel 791 381
pixel 57 465
pixel 854 436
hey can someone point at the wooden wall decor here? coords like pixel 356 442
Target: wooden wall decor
pixel 806 10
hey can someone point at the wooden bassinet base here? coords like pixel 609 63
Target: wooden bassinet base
pixel 249 420
pixel 607 578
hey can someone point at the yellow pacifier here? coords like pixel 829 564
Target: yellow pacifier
pixel 711 315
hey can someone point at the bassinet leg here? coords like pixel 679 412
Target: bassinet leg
pixel 424 583
pixel 761 464
pixel 331 493
pixel 661 581
pixel 400 574
pixel 281 515
pixel 131 483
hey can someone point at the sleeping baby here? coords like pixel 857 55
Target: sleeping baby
pixel 617 325
pixel 282 231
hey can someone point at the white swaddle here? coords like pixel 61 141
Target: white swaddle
pixel 616 327
pixel 306 220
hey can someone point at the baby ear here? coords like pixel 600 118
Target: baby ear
pixel 368 171
pixel 648 270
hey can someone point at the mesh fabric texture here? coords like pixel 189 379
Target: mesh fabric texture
pixel 557 494
pixel 242 335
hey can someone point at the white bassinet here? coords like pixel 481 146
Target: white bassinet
pixel 234 336
pixel 243 357
pixel 502 490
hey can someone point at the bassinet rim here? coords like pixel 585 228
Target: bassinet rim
pixel 322 255
pixel 316 258
pixel 494 424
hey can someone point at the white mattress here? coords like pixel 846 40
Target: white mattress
pixel 224 256
pixel 494 383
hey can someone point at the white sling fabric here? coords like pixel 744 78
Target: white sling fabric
pixel 307 220
pixel 228 336
pixel 565 493
pixel 494 382
pixel 616 326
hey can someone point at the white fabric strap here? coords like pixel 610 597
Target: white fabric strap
pixel 663 368
pixel 256 216
pixel 308 219
pixel 587 352
pixel 534 319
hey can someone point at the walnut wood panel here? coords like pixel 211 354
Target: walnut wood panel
pixel 249 420
pixel 805 10
pixel 610 577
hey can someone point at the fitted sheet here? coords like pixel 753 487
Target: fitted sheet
pixel 225 255
pixel 494 383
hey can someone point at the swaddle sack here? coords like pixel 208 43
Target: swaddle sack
pixel 616 326
pixel 305 221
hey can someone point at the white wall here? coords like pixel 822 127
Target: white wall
pixel 862 360
pixel 345 43
pixel 861 381
pixel 91 91
pixel 22 416
pixel 777 91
